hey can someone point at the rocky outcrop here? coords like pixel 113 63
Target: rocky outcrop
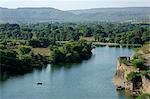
pixel 146 84
pixel 121 73
pixel 124 67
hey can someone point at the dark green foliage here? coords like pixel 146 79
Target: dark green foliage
pixel 13 31
pixel 88 32
pixel 134 77
pixel 131 76
pixel 43 34
pixel 21 62
pixel 58 56
pixel 41 42
pixel 10 62
pixel 2 47
pixel 26 59
pixel 24 50
pixel 71 52
pixel 138 63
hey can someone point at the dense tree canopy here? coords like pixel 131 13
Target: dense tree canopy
pixel 46 35
pixel 71 52
pixel 104 32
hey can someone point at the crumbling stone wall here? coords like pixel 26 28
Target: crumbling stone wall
pixel 146 84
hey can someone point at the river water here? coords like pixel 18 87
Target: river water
pixel 91 79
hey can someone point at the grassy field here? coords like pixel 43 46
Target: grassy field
pixel 42 51
pixel 87 38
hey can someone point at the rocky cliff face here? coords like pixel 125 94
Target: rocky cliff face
pixel 125 67
pixel 121 73
pixel 146 84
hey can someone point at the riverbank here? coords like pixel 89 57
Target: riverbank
pixel 101 44
pixel 115 44
pixel 133 73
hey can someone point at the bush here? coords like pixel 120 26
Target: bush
pixel 134 77
pixel 131 76
pixel 2 47
pixel 124 60
pixel 138 63
pixel 145 72
pixel 26 59
pixel 24 49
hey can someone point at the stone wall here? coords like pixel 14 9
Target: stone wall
pixel 126 69
pixel 121 73
pixel 146 84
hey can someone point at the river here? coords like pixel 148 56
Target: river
pixel 90 79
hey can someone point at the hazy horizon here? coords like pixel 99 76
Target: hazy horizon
pixel 73 4
pixel 78 9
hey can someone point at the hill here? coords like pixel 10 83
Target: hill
pixel 114 14
pixel 34 15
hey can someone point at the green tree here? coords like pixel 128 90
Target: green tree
pixel 24 49
pixel 138 63
pixel 88 32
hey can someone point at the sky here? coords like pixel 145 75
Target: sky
pixel 74 4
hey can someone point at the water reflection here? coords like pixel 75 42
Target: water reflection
pixel 68 66
pixel 4 77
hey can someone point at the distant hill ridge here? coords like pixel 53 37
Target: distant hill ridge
pixel 46 14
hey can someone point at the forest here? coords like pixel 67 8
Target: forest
pixel 18 42
pixel 123 33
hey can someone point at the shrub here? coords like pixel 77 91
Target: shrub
pixel 24 49
pixel 2 47
pixel 26 59
pixel 134 77
pixel 138 63
pixel 131 76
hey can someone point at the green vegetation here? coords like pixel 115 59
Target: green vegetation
pixel 124 60
pixel 71 52
pixel 138 63
pixel 25 46
pixel 132 76
pixel 44 34
pixel 145 72
pixel 11 63
pixel 144 96
pixel 135 78
pixel 24 50
pixel 23 58
pixel 20 60
pixel 42 43
pixel 137 70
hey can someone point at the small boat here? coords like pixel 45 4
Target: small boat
pixel 39 83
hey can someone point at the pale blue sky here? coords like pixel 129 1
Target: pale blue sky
pixel 74 4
